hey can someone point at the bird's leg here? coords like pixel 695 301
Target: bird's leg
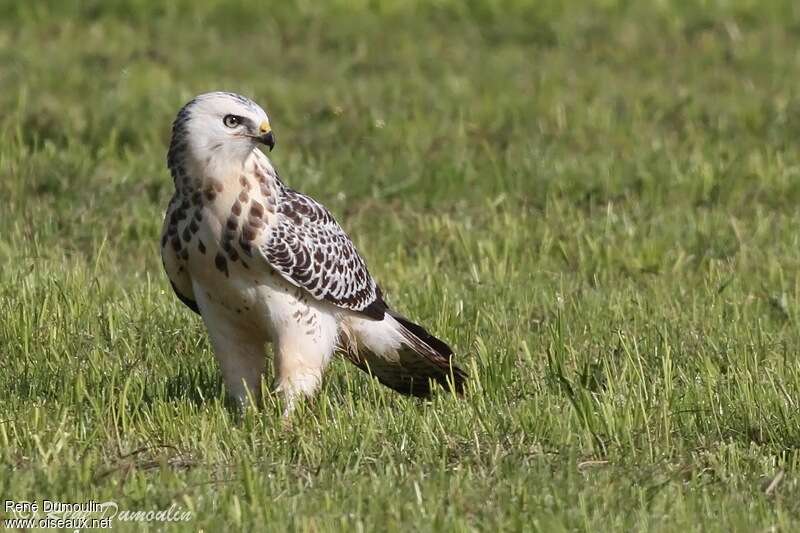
pixel 295 378
pixel 242 373
pixel 305 335
pixel 241 358
pixel 299 364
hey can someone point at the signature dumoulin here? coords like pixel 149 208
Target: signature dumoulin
pixel 80 515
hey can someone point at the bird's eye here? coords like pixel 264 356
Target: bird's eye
pixel 231 121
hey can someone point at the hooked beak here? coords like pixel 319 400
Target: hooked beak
pixel 266 137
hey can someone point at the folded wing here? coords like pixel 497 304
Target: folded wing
pixel 310 250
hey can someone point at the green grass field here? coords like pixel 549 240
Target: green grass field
pixel 597 205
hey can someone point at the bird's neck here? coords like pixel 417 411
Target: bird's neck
pixel 191 174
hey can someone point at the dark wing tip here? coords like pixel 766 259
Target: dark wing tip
pixel 188 302
pixel 376 309
pixel 420 386
pixel 441 347
pixel 442 366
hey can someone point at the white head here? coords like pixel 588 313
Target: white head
pixel 216 131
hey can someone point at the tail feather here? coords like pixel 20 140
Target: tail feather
pixel 409 361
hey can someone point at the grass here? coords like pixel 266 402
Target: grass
pixel 596 204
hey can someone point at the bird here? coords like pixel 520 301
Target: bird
pixel 264 264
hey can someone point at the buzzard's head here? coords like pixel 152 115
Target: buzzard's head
pixel 216 127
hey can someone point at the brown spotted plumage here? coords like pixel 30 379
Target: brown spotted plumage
pixel 262 262
pixel 221 263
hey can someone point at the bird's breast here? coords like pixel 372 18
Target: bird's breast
pixel 212 234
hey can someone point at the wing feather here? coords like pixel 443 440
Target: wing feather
pixel 309 249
